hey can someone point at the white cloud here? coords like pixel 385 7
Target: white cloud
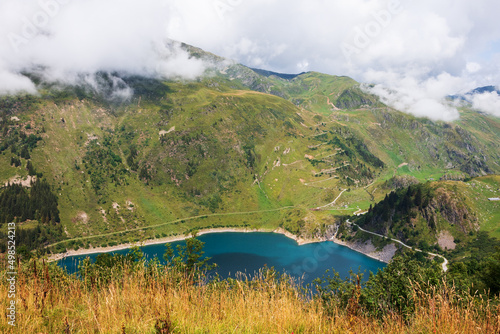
pixel 473 67
pixel 487 102
pixel 433 109
pixel 68 38
pixel 175 63
pixel 414 41
pixel 416 95
pixel 11 83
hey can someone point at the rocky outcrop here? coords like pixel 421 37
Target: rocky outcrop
pixel 399 182
pixel 367 248
pixel 452 209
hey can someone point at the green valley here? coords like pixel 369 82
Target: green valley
pixel 236 148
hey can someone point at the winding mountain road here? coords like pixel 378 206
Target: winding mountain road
pixel 332 203
pixel 445 263
pixel 171 222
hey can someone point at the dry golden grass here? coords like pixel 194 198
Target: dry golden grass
pixel 167 303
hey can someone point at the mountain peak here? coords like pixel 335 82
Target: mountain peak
pixel 485 89
pixel 276 74
pixel 480 90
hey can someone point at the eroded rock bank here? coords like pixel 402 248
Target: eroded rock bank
pixel 367 248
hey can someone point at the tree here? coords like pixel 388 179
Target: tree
pixel 386 208
pixel 390 291
pixel 144 174
pixel 189 259
pixel 25 154
pixel 418 197
pixel 491 273
pixel 30 168
pixel 249 150
pixel 15 161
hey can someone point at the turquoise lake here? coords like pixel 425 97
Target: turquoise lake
pixel 248 252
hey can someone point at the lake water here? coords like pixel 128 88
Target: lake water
pixel 248 252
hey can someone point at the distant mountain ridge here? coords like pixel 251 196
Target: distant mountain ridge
pixel 277 148
pixel 279 75
pixel 485 89
pixel 480 90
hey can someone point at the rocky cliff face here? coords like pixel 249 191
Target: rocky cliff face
pixel 450 207
pixel 421 212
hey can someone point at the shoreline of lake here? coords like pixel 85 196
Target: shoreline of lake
pixel 382 256
pixel 109 249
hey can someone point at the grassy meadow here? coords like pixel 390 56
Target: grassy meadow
pixel 138 299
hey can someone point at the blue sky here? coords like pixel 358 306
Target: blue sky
pixel 489 53
pixel 417 52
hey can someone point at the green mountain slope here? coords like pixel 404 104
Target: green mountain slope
pixel 234 148
pixel 421 212
pixel 178 151
pixel 456 219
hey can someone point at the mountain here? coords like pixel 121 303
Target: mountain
pixel 279 75
pixel 440 213
pixel 134 158
pixel 486 89
pixel 480 90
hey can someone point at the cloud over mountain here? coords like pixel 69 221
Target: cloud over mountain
pixel 423 42
pixel 63 39
pixel 408 47
pixel 488 102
